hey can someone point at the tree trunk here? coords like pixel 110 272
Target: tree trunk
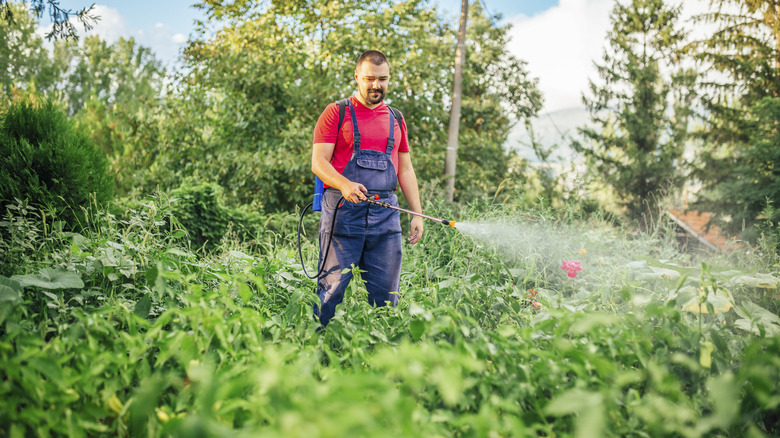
pixel 457 86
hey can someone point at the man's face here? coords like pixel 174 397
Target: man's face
pixel 372 81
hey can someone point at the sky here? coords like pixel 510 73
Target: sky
pixel 559 40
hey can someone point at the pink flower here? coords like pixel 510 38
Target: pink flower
pixel 572 266
pixel 537 304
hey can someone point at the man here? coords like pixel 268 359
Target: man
pixel 363 157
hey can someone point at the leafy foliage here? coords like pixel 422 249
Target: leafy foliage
pixel 200 210
pixel 124 74
pixel 113 90
pixel 161 342
pixel 254 130
pixel 23 57
pixel 44 159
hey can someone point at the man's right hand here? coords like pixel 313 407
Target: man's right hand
pixel 354 192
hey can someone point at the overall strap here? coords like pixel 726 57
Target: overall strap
pixel 355 131
pixel 394 115
pixel 390 139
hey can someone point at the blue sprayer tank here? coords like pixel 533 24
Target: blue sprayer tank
pixel 319 189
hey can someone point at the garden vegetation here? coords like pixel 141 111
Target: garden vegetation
pixel 149 275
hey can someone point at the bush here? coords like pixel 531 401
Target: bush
pixel 45 160
pixel 199 209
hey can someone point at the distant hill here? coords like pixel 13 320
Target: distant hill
pixel 552 130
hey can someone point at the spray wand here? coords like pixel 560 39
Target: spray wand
pixel 376 201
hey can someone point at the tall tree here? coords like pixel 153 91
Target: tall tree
pixel 24 59
pixel 123 73
pixel 498 92
pixel 736 166
pixel 270 71
pixel 640 107
pixel 258 81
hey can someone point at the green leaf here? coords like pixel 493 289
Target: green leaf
pixel 416 328
pixel 151 275
pixel 49 278
pixel 48 368
pixel 142 307
pixel 758 280
pixel 571 402
pixel 245 292
pixel 10 290
pixel 753 316
pixel 10 295
pixel 178 252
pixel 241 255
pixel 585 325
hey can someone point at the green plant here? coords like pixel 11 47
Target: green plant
pixel 122 330
pixel 45 160
pixel 199 208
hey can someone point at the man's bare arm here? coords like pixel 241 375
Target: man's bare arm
pixel 408 181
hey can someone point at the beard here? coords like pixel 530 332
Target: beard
pixel 372 99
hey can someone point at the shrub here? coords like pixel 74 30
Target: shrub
pixel 45 160
pixel 199 209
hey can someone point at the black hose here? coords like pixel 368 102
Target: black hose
pixel 327 248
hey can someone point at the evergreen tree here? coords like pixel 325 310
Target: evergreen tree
pixel 640 107
pixel 737 158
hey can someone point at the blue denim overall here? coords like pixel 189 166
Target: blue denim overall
pixel 364 235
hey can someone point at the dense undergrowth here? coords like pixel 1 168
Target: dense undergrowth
pixel 127 329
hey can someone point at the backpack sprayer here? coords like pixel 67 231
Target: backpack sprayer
pixel 316 205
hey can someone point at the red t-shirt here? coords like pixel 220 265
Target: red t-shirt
pixel 374 125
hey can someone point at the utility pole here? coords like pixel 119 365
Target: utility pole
pixel 457 87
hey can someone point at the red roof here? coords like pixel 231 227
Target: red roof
pixel 695 223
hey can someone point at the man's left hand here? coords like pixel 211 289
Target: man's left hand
pixel 417 230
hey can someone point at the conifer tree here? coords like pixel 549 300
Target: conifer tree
pixel 639 108
pixel 737 156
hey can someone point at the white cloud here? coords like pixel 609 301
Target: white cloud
pixel 112 25
pixel 179 38
pixel 560 45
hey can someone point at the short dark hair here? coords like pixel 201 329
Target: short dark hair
pixel 374 56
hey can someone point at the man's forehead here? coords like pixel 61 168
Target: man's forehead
pixel 370 69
